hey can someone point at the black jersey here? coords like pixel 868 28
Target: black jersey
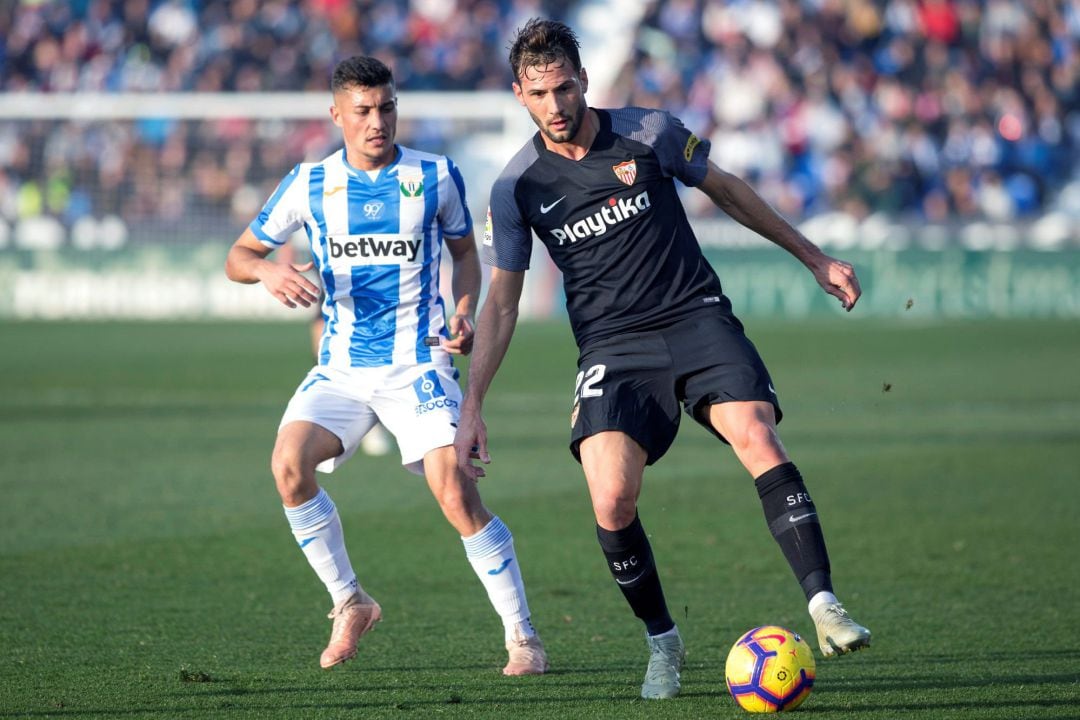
pixel 612 222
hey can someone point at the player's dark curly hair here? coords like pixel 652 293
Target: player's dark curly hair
pixel 360 71
pixel 542 42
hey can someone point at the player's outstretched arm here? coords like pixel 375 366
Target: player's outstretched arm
pixel 247 263
pixel 466 288
pixel 494 329
pixel 746 207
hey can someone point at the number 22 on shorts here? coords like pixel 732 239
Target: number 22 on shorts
pixel 587 381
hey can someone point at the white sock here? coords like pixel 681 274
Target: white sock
pixel 673 632
pixel 819 599
pixel 491 553
pixel 317 529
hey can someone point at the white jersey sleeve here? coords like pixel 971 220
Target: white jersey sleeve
pixel 285 212
pixel 454 212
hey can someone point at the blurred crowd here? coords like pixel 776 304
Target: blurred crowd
pixel 927 109
pixel 254 45
pixel 923 109
pixel 162 174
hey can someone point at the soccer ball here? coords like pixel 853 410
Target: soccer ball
pixel 770 669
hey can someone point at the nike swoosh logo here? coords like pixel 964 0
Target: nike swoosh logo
pixel 544 209
pixel 772 389
pixel 502 567
pixel 332 191
pixel 797 518
pixel 633 579
pixel 305 542
pixel 314 380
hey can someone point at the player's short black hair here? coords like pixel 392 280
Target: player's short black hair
pixel 542 42
pixel 360 71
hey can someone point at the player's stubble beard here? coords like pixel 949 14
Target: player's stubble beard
pixel 573 125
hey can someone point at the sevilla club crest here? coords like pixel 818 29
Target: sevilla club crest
pixel 626 171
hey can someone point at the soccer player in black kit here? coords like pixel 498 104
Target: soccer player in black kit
pixel 652 324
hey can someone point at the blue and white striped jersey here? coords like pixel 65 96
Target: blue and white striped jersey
pixel 377 245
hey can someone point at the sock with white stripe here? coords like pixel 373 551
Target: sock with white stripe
pixel 630 560
pixel 491 554
pixel 793 522
pixel 317 529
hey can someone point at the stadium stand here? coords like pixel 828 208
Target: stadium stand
pixel 926 110
pixel 176 179
pixel 929 109
pixel 933 140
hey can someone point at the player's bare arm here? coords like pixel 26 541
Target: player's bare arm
pixel 247 263
pixel 494 330
pixel 466 288
pixel 746 207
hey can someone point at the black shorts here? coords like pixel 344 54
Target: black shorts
pixel 635 383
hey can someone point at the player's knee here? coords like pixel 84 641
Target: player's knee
pixel 755 437
pixel 461 494
pixel 452 501
pixel 285 464
pixel 614 513
pixel 463 509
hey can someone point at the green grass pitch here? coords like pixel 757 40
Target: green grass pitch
pixel 147 571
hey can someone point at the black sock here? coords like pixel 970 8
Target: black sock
pixel 793 521
pixel 630 560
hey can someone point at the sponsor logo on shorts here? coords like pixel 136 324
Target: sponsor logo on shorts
pixel 437 404
pixel 430 393
pixel 428 387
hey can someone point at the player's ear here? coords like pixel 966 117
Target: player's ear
pixel 584 80
pixel 336 111
pixel 517 93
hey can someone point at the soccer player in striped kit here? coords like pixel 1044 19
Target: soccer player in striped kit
pixel 377 215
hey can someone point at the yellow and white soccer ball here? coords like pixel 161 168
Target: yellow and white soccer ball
pixel 770 669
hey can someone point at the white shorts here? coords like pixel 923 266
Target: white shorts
pixel 419 404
